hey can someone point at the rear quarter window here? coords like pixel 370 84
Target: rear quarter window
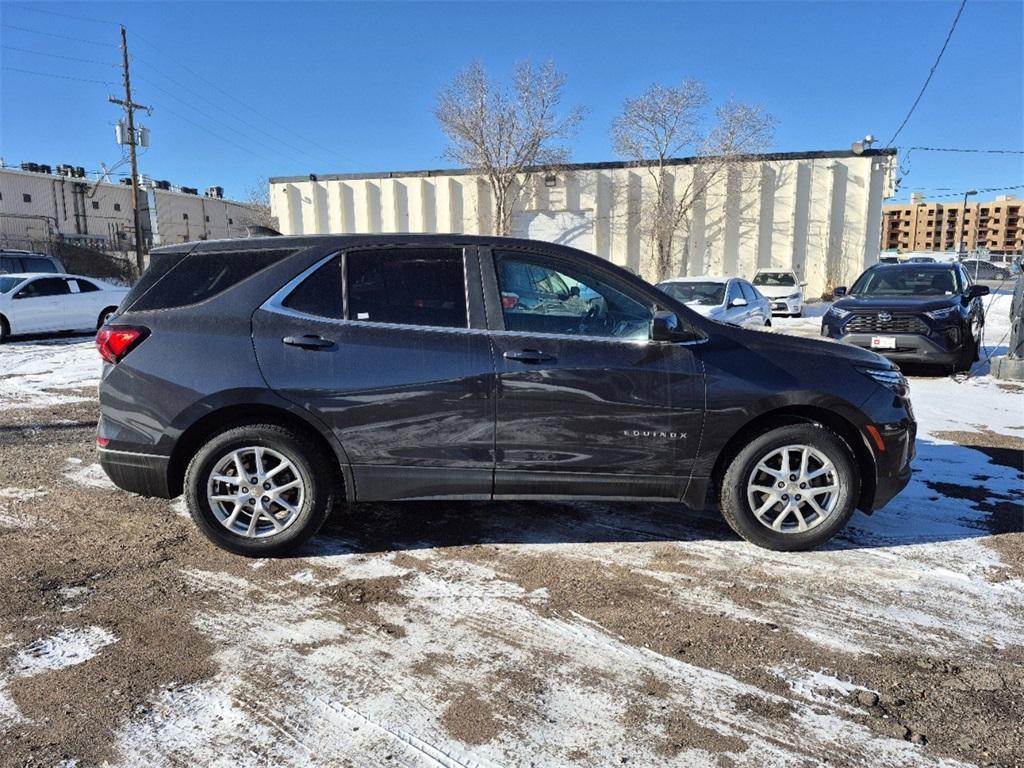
pixel 201 276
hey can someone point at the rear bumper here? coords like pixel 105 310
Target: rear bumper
pixel 141 473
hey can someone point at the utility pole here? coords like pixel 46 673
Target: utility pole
pixel 963 226
pixel 129 110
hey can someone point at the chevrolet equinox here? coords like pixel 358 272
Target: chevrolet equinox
pixel 267 379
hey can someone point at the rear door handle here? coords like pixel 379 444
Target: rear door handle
pixel 308 342
pixel 528 356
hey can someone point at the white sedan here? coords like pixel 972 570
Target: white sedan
pixel 726 299
pixel 783 289
pixel 42 302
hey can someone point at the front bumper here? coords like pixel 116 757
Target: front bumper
pixel 786 306
pixel 909 348
pixel 892 466
pixel 142 473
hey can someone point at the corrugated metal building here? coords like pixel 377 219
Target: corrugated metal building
pixel 36 207
pixel 816 212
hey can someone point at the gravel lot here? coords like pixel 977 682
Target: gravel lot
pixel 475 634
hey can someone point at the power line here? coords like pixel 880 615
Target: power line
pixel 234 98
pixel 980 190
pixel 58 13
pixel 931 72
pixel 57 56
pixel 206 130
pixel 61 37
pixel 979 151
pixel 59 77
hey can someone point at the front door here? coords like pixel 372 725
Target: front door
pixel 393 365
pixel 587 404
pixel 38 306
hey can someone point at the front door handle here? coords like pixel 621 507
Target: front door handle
pixel 308 341
pixel 528 356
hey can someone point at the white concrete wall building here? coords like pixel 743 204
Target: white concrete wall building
pixel 816 212
pixel 38 207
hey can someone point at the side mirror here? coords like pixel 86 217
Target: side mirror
pixel 738 303
pixel 664 326
pixel 803 284
pixel 976 291
pixel 839 290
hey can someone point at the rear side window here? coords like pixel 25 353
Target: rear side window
pixel 84 286
pixel 201 276
pixel 407 286
pixel 39 265
pixel 320 293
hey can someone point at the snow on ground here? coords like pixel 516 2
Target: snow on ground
pixel 41 373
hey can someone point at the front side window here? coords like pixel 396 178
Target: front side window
pixel 734 293
pixel 540 298
pixel 44 287
pixel 407 286
pixel 748 292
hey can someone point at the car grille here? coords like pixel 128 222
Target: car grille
pixel 897 324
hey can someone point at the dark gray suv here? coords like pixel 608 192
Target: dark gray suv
pixel 269 378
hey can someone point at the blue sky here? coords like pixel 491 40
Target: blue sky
pixel 243 91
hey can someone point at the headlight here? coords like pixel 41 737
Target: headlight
pixel 837 313
pixel 887 377
pixel 942 314
pixel 793 296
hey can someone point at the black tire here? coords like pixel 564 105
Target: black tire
pixel 968 354
pixel 103 315
pixel 768 323
pixel 798 314
pixel 5 329
pixel 736 508
pixel 313 468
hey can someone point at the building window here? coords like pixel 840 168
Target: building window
pixel 231 221
pixel 207 218
pixel 117 206
pixel 184 216
pixel 26 197
pixel 95 205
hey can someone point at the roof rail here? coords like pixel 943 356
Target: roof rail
pixel 254 230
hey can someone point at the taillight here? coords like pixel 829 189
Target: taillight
pixel 114 343
pixel 509 300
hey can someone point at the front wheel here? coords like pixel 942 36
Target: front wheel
pixel 259 490
pixel 791 488
pixel 968 353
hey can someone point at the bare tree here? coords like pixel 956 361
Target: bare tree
pixel 666 122
pixel 503 131
pixel 257 203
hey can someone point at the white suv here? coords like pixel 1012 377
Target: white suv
pixel 783 290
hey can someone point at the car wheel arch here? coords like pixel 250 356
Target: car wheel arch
pixel 802 414
pixel 234 415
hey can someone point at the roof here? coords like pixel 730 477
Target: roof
pixel 26 275
pixel 610 165
pixel 698 279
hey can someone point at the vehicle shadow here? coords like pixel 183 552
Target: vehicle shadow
pixel 63 337
pixel 956 493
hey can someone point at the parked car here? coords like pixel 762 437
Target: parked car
pixel 911 313
pixel 888 259
pixel 922 260
pixel 783 289
pixel 985 270
pixel 39 303
pixel 266 378
pixel 20 262
pixel 726 299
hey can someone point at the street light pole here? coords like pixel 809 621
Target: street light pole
pixel 963 225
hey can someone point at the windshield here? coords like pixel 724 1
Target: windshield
pixel 7 283
pixel 708 294
pixel 774 278
pixel 906 281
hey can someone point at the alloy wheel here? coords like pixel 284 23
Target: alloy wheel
pixel 793 489
pixel 255 491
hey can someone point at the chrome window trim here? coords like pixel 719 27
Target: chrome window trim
pixel 275 304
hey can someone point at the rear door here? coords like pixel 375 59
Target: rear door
pixel 389 347
pixel 587 405
pixel 38 306
pixel 80 305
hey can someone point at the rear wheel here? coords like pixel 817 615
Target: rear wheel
pixel 791 488
pixel 259 490
pixel 5 329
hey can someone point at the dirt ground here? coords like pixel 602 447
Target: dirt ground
pixel 476 634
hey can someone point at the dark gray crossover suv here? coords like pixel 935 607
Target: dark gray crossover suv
pixel 268 378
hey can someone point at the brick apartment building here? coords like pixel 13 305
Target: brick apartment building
pixel 917 226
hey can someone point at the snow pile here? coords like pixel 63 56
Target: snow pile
pixel 39 373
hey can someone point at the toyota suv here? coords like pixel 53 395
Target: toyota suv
pixel 912 313
pixel 267 379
